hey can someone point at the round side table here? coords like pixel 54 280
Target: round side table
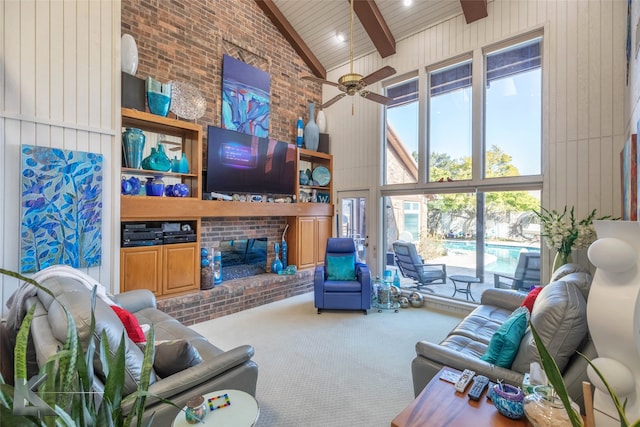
pixel 242 410
pixel 463 279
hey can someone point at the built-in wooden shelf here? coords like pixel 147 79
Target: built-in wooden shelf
pixel 137 208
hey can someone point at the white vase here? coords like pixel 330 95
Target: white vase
pixel 128 54
pixel 321 120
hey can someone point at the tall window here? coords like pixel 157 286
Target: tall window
pixel 475 166
pixel 402 134
pixel 513 121
pixel 450 122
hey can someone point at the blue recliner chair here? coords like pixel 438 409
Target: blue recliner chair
pixel 342 283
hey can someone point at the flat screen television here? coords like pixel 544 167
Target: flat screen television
pixel 241 163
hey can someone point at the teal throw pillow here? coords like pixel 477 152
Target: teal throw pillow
pixel 341 267
pixel 505 342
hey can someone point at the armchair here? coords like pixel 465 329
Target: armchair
pixel 527 273
pixel 342 283
pixel 412 266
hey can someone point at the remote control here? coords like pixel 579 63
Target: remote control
pixel 465 379
pixel 479 384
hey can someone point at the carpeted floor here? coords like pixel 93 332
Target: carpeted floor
pixel 334 369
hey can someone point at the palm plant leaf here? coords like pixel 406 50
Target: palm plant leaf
pixel 555 378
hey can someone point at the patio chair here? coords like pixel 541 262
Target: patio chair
pixel 526 275
pixel 412 266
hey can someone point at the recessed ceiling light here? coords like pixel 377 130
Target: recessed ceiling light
pixel 340 36
pixel 407 2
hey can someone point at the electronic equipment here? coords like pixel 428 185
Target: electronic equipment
pixel 480 382
pixel 465 379
pixel 242 163
pixel 138 234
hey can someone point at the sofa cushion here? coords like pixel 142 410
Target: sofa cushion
pixel 174 356
pixel 478 328
pixel 504 344
pixel 130 323
pixel 531 298
pixel 560 317
pixel 341 267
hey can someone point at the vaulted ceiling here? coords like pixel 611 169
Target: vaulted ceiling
pixel 311 26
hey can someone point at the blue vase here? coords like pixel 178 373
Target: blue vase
pixel 154 186
pixel 132 146
pixel 276 265
pixel 183 164
pixel 311 131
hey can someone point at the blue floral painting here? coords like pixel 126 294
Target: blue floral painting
pixel 61 208
pixel 245 98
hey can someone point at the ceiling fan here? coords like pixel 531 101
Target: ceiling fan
pixel 354 83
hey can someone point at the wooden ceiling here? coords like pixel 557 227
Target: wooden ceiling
pixel 311 26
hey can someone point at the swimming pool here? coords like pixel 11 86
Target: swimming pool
pixel 504 258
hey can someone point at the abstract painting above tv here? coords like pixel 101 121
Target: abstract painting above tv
pixel 245 98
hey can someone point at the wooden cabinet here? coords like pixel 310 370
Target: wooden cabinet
pixel 141 268
pixel 307 240
pixel 163 269
pixel 181 270
pixel 168 269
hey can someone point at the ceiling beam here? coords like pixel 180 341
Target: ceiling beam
pixel 376 27
pixel 474 10
pixel 286 29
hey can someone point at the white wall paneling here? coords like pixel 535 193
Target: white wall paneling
pixel 585 117
pixel 58 80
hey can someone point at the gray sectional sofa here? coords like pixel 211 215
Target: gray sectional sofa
pixel 559 315
pixel 218 369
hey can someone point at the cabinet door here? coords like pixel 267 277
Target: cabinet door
pixel 323 227
pixel 180 273
pixel 306 242
pixel 141 268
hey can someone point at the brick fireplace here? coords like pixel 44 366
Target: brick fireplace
pixel 239 294
pixel 217 229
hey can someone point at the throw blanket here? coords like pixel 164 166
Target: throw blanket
pixel 15 304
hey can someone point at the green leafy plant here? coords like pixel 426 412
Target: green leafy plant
pixel 555 379
pixel 66 393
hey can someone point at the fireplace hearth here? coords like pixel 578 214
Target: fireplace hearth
pixel 243 257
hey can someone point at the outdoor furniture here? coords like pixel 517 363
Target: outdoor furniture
pixel 342 283
pixel 463 279
pixel 526 275
pixel 412 266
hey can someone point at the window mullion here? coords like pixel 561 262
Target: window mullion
pixel 477 116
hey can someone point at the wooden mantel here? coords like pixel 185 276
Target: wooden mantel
pixel 139 208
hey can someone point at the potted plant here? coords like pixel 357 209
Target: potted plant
pixel 64 394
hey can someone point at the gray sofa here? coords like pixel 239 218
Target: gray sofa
pixel 218 369
pixel 559 315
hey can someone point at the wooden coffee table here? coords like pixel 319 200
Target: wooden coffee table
pixel 440 405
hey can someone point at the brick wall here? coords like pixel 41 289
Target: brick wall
pixel 185 41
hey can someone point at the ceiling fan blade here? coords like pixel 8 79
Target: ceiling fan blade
pixel 376 76
pixel 376 98
pixel 319 80
pixel 333 100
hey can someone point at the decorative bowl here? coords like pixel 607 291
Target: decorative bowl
pixel 508 400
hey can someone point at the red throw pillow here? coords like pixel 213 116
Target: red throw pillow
pixel 530 299
pixel 130 323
